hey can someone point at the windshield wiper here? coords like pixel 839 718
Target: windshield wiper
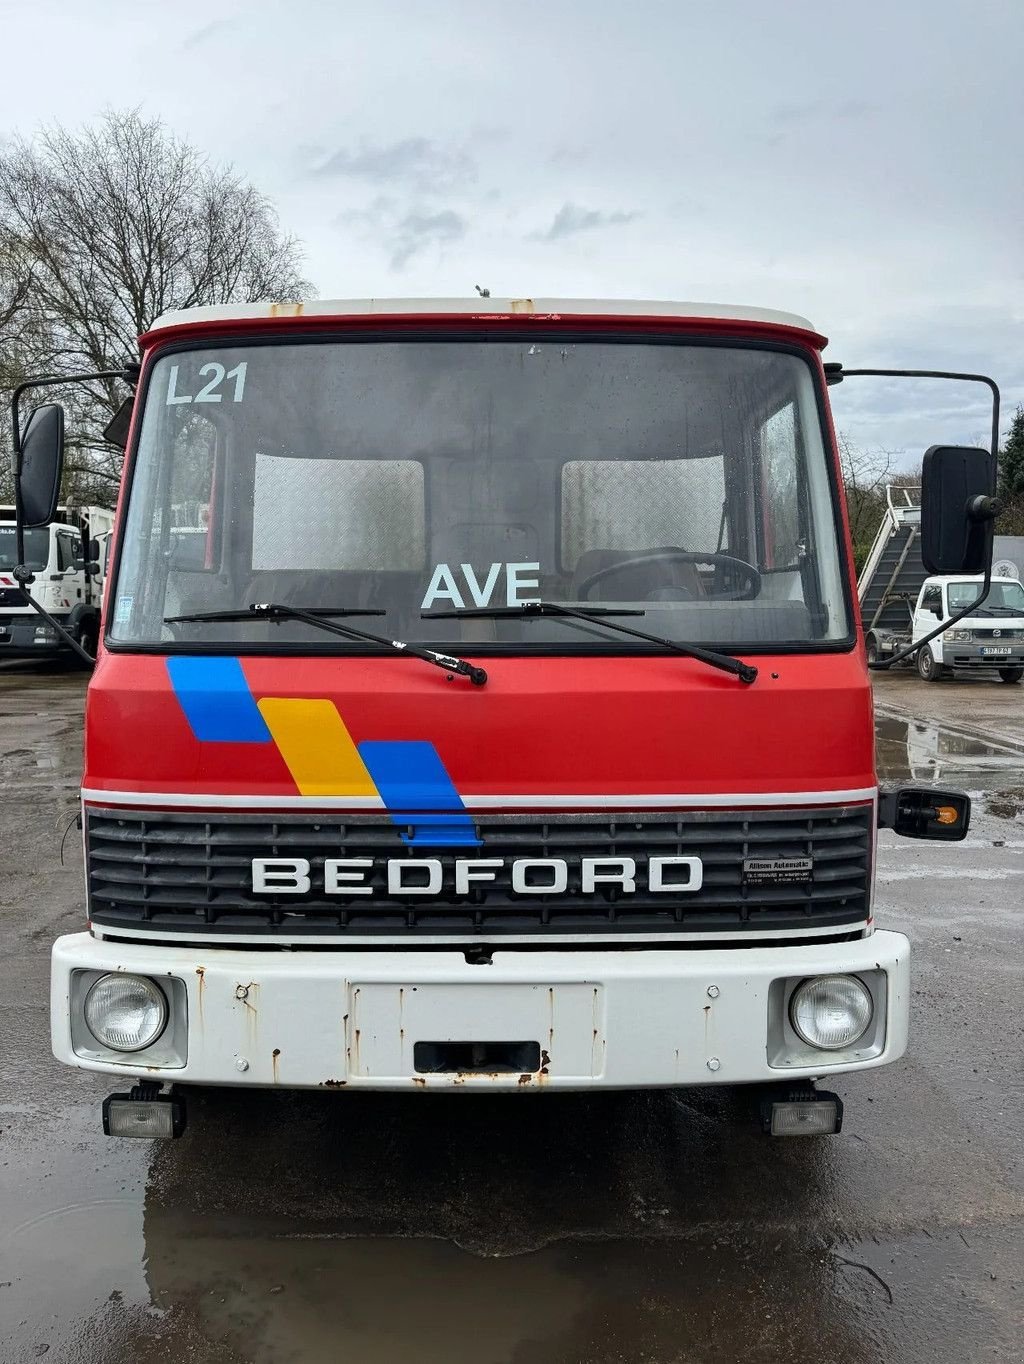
pixel 598 615
pixel 321 618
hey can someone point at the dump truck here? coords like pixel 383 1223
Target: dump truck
pixel 900 604
pixel 501 721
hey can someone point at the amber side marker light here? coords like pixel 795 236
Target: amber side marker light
pixel 923 812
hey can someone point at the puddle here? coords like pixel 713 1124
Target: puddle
pixel 916 750
pixel 650 1229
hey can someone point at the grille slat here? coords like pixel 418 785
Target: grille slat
pixel 190 874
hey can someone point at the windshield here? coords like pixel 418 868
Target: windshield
pixel 37 548
pixel 1002 596
pixel 408 476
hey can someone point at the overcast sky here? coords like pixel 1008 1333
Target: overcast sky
pixel 858 164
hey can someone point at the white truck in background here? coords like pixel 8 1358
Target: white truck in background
pixel 67 559
pixel 900 604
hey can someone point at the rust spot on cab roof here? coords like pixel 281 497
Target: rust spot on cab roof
pixel 522 305
pixel 333 1084
pixel 286 309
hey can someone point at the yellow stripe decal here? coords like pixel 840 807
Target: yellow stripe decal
pixel 317 748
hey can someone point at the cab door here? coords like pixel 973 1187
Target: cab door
pixel 928 614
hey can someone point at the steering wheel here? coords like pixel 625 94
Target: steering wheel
pixel 681 556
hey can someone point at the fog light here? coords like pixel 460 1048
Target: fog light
pixel 142 1114
pixel 831 1012
pixel 125 1013
pixel 806 1118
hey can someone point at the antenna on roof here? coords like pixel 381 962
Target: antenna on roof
pixel 484 293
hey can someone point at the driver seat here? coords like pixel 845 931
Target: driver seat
pixel 657 581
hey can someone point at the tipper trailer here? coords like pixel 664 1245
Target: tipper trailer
pixel 900 604
pixel 503 721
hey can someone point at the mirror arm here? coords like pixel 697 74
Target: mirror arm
pixel 835 374
pixel 984 509
pixel 50 620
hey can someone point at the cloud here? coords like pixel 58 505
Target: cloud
pixel 414 161
pixel 416 231
pixel 405 232
pixel 202 35
pixel 571 218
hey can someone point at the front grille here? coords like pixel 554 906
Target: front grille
pixel 997 635
pixel 191 873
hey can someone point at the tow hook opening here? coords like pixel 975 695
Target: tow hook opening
pixel 476 1058
pixel 145 1111
pixel 801 1112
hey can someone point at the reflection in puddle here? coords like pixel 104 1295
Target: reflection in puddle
pixel 915 750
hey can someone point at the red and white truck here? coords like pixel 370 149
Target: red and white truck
pixel 481 704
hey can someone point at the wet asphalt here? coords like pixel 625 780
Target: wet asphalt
pixel 655 1228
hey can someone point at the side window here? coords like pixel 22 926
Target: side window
pixel 192 492
pixel 780 499
pixel 65 553
pixel 932 600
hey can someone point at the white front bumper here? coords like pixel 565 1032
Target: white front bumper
pixel 614 1019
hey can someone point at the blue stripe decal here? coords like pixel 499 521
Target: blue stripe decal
pixel 411 777
pixel 217 701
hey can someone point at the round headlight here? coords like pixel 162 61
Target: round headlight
pixel 125 1013
pixel 831 1012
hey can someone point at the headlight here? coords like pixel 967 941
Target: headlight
pixel 961 636
pixel 831 1012
pixel 125 1013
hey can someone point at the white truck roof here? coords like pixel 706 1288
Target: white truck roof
pixel 482 307
pixel 969 578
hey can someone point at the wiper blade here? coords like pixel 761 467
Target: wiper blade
pixel 598 615
pixel 265 608
pixel 319 619
pixel 526 608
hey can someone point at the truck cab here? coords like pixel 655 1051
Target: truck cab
pixel 991 637
pixel 66 583
pixel 481 705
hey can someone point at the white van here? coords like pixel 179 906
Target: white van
pixel 992 636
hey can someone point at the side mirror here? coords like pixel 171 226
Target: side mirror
pixel 116 430
pixel 39 465
pixel 957 509
pixel 87 560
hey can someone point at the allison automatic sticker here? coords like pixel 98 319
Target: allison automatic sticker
pixel 774 869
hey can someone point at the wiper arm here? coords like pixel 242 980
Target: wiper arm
pixel 598 615
pixel 319 618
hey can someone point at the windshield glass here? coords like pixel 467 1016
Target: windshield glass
pixel 686 480
pixel 1002 596
pixel 37 548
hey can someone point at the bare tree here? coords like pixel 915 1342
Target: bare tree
pixel 865 475
pixel 103 230
pixel 19 337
